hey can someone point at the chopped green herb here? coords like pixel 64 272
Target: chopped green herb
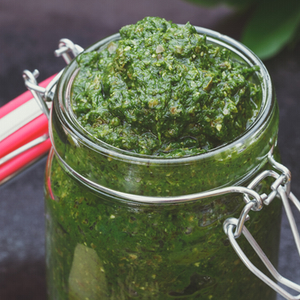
pixel 163 90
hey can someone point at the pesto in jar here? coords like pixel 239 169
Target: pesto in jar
pixel 188 104
pixel 163 90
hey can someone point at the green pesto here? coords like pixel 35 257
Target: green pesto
pixel 104 248
pixel 164 90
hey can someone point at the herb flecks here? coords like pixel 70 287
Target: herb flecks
pixel 159 83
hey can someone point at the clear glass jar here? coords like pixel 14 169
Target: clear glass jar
pixel 127 226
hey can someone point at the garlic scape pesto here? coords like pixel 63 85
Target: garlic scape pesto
pixel 163 90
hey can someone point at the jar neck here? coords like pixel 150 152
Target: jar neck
pixel 102 166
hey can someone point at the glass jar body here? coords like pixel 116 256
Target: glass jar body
pixel 98 248
pixel 113 230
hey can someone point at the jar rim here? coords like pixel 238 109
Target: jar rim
pixel 68 118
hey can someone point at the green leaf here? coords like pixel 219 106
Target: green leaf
pixel 273 24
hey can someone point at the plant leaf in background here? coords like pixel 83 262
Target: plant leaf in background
pixel 272 25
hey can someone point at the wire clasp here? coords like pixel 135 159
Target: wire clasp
pixel 235 227
pixel 43 95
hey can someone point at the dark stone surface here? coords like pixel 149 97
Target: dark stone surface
pixel 30 31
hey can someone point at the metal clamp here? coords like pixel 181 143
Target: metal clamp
pixel 234 227
pixel 66 46
pixel 43 95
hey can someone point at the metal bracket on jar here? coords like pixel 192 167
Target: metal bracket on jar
pixel 235 227
pixel 44 95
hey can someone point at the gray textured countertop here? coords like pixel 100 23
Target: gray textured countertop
pixel 30 31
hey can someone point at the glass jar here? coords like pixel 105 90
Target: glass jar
pixel 126 226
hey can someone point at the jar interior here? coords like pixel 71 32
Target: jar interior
pixel 104 166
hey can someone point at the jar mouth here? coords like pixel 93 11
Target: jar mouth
pixel 241 52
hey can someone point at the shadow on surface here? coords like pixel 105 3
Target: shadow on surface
pixel 23 280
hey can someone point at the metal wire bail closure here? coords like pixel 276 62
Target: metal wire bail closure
pixel 43 95
pixel 234 227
